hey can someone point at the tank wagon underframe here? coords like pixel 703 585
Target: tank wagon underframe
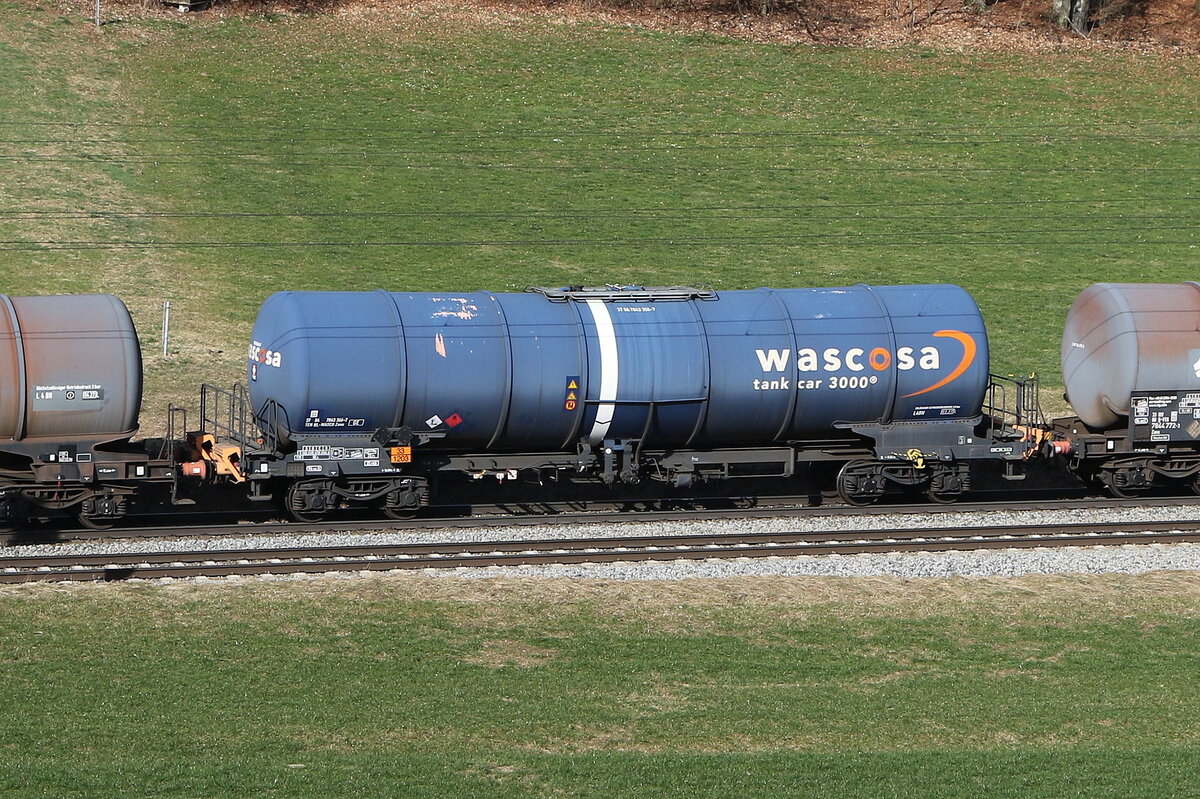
pixel 1159 445
pixel 862 472
pixel 98 482
pixel 396 470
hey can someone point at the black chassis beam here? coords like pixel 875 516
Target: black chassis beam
pixel 370 460
pixel 779 461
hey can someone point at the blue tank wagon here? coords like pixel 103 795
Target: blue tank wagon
pixel 367 397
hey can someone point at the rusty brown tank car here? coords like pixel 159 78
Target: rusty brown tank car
pixel 69 366
pixel 70 392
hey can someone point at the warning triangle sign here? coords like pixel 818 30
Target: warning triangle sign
pixel 571 395
pixel 572 385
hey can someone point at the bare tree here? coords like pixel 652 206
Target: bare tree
pixel 1060 12
pixel 1079 16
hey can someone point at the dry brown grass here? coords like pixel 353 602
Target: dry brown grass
pixel 1004 25
pixel 681 605
pixel 500 653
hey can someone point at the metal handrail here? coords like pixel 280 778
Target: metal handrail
pixel 1021 409
pixel 226 414
pixel 269 422
pixel 169 449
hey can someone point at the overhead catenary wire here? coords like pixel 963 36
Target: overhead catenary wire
pixel 852 140
pixel 633 243
pixel 696 214
pixel 511 132
pixel 936 135
pixel 259 160
pixel 922 238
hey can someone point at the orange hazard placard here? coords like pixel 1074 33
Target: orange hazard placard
pixel 401 454
pixel 571 401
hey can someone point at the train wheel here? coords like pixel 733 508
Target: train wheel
pixel 405 502
pixel 858 484
pixel 946 486
pixel 942 497
pixel 11 518
pixel 1123 491
pixel 101 512
pixel 1127 481
pixel 310 516
pixel 97 522
pixel 1196 484
pixel 400 514
pixel 300 502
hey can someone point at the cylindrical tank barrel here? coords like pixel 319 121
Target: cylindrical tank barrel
pixel 70 366
pixel 546 369
pixel 1121 338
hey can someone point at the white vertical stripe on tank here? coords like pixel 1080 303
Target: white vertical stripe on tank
pixel 606 336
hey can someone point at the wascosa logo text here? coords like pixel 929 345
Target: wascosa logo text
pixel 878 359
pixel 259 354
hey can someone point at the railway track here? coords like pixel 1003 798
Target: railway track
pixel 412 556
pixel 566 514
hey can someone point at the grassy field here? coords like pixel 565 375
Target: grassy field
pixel 211 161
pixel 411 686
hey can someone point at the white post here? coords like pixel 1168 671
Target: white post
pixel 97 13
pixel 166 334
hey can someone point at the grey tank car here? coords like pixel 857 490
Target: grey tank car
pixel 1131 368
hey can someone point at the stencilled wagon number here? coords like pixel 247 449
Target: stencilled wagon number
pixel 852 381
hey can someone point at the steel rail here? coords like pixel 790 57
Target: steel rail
pixel 287 560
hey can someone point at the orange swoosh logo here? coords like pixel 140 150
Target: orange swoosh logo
pixel 967 359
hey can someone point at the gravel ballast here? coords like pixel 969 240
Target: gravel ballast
pixel 1131 559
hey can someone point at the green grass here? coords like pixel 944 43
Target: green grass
pixel 423 151
pixel 1083 687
